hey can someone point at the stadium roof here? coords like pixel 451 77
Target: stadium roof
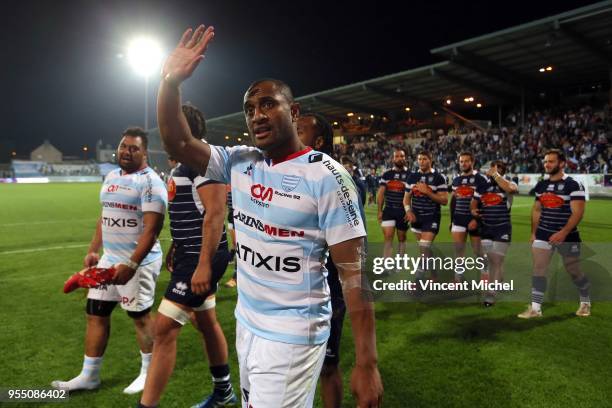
pixel 496 69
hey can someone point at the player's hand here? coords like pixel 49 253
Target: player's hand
pixel 123 274
pixel 475 212
pixel 379 217
pixel 366 386
pixel 472 225
pixel 201 279
pixel 91 259
pixel 423 188
pixel 187 54
pixel 532 238
pixel 557 238
pixel 170 259
pixel 492 172
pixel 410 217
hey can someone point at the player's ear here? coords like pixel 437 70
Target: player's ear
pixel 295 111
pixel 319 142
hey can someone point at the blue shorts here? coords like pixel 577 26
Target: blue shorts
pixel 394 217
pixel 498 233
pixel 459 223
pixel 426 223
pixel 570 247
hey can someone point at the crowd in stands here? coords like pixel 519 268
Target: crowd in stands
pixel 584 134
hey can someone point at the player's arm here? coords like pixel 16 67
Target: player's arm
pixel 366 383
pixel 380 201
pixel 508 186
pixel 213 198
pixel 536 212
pixel 439 197
pixel 173 127
pixel 410 215
pixel 153 223
pixel 577 207
pixel 93 253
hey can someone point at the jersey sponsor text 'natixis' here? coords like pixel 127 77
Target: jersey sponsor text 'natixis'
pixel 125 198
pixel 286 213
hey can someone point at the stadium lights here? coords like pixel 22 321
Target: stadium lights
pixel 350 114
pixel 85 148
pixel 358 117
pixel 245 134
pixel 435 113
pixel 468 99
pixel 407 108
pixel 226 137
pixel 371 116
pixel 335 123
pixel 239 139
pixel 13 153
pixel 479 105
pixel 448 101
pixel 546 69
pixel 144 55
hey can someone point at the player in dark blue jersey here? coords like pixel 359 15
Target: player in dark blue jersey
pixel 372 183
pixel 464 186
pixel 232 282
pixel 426 190
pixel 390 195
pixel 491 205
pixel 556 213
pixel 199 249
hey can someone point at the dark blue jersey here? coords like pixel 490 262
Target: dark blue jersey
pixel 464 187
pixel 420 203
pixel 555 198
pixel 186 213
pixel 494 203
pixel 395 184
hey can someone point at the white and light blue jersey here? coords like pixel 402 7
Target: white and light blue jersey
pixel 286 214
pixel 125 198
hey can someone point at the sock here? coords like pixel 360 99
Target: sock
pixel 88 378
pixel 146 360
pixel 538 288
pixel 584 285
pixel 221 379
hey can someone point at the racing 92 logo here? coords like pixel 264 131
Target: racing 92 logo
pixel 262 192
pixel 112 188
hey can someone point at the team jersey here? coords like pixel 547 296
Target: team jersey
pixel 494 203
pixel 555 198
pixel 420 203
pixel 186 213
pixel 286 214
pixel 125 198
pixel 464 187
pixel 395 184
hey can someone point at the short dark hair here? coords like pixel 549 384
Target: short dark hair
pixel 558 152
pixel 195 119
pixel 281 85
pixel 136 131
pixel 425 153
pixel 466 153
pixel 399 149
pixel 501 166
pixel 346 159
pixel 323 129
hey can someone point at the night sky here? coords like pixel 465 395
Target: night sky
pixel 62 79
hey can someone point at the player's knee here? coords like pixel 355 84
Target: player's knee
pixel 425 244
pixel 99 308
pixel 139 317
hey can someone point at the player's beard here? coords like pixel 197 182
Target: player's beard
pixel 554 171
pixel 400 164
pixel 468 171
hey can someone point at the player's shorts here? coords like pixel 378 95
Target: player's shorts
pixel 332 352
pixel 275 374
pixel 571 246
pixel 496 233
pixel 137 294
pixel 460 223
pixel 179 287
pixel 394 217
pixel 426 223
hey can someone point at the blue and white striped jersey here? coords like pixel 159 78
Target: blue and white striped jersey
pixel 286 214
pixel 494 203
pixel 464 187
pixel 125 198
pixel 187 213
pixel 555 198
pixel 421 204
pixel 394 181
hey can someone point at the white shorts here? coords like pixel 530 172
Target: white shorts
pixel 275 374
pixel 495 247
pixel 388 223
pixel 458 228
pixel 136 295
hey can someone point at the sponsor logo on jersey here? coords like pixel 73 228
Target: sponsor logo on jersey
pixel 119 222
pixel 249 170
pixel 314 158
pixel 171 189
pixel 122 206
pixel 464 191
pixel 344 195
pixel 253 222
pixel 266 262
pixel 260 194
pixel 396 186
pixel 491 199
pixel 126 300
pixel 550 200
pixel 112 188
pixel 417 193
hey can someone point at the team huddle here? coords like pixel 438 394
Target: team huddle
pixel 480 207
pixel 299 224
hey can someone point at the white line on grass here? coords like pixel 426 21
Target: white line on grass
pixel 40 249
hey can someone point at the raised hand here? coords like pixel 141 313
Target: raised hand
pixel 187 55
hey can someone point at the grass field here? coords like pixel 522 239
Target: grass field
pixel 446 355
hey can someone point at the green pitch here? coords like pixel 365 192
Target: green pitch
pixel 429 355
